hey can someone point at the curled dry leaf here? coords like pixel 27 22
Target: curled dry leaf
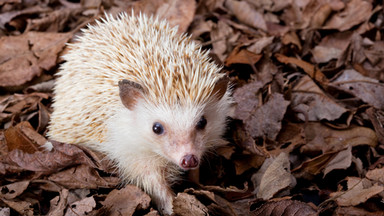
pixel 310 69
pixel 332 47
pixel 273 177
pixel 13 190
pixel 321 138
pixel 82 176
pixel 342 160
pixel 178 13
pixel 186 204
pixel 125 201
pixel 63 155
pixel 22 207
pixel 285 207
pixel 311 103
pixel 367 89
pixel 265 121
pixel 355 12
pixel 376 175
pixel 23 137
pixel 245 13
pixel 246 99
pixel 242 56
pixel 82 207
pixel 58 203
pixel 359 191
pixel 26 56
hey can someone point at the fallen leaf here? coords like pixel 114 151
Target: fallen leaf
pixel 178 13
pixel 321 138
pixel 11 191
pixel 355 12
pixel 359 191
pixel 310 69
pixel 332 47
pixel 21 207
pixel 24 137
pixel 342 160
pixel 82 176
pixel 274 176
pixel 285 207
pixel 247 14
pixel 376 175
pixel 186 204
pixel 82 207
pixel 126 201
pixel 356 211
pixel 58 203
pixel 266 120
pixel 242 56
pixel 25 56
pixel 246 99
pixel 367 89
pixel 259 45
pixel 62 155
pixel 5 211
pixel 312 104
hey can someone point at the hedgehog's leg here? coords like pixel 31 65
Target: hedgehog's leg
pixel 155 184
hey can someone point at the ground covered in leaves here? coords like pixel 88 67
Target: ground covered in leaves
pixel 306 134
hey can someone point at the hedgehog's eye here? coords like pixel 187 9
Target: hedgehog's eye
pixel 158 128
pixel 202 123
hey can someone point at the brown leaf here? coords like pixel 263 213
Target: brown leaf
pixel 285 207
pixel 126 201
pixel 320 138
pixel 24 57
pixel 82 207
pixel 58 203
pixel 311 103
pixel 242 56
pixel 245 13
pixel 342 160
pixel 21 207
pixel 376 175
pixel 24 138
pixel 367 89
pixel 266 120
pixel 273 177
pixel 246 99
pixel 82 176
pixel 357 211
pixel 359 191
pixel 310 69
pixel 355 12
pixel 13 190
pixel 186 204
pixel 332 47
pixel 62 155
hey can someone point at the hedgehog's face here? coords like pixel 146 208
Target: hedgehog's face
pixel 180 134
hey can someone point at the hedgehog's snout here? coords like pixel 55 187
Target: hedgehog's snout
pixel 189 161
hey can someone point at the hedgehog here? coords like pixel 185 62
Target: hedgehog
pixel 147 97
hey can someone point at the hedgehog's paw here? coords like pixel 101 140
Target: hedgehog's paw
pixel 166 206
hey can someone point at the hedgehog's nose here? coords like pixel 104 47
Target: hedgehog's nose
pixel 189 161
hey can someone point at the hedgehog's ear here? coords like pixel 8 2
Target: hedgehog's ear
pixel 220 87
pixel 130 92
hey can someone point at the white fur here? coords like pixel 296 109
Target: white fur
pixel 178 80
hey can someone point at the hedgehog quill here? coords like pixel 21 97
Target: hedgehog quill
pixel 148 98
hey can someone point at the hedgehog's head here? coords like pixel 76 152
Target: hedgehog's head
pixel 179 132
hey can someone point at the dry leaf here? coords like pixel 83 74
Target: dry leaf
pixel 355 12
pixel 332 47
pixel 242 56
pixel 126 201
pixel 58 203
pixel 186 204
pixel 13 190
pixel 24 137
pixel 22 207
pixel 82 176
pixel 82 207
pixel 273 177
pixel 359 191
pixel 265 121
pixel 246 14
pixel 26 56
pixel 311 103
pixel 367 89
pixel 285 207
pixel 376 175
pixel 342 160
pixel 310 69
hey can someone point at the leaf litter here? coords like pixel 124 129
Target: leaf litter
pixel 306 134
